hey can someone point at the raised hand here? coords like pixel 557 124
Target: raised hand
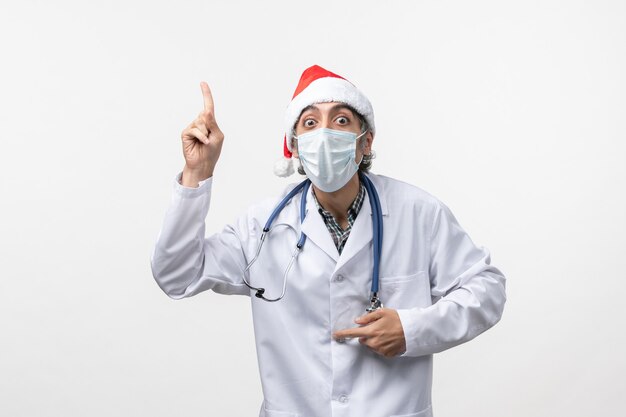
pixel 202 143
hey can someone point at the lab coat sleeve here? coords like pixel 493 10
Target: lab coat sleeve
pixel 184 262
pixel 469 291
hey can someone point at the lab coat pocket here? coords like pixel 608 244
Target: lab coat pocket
pixel 427 412
pixel 405 291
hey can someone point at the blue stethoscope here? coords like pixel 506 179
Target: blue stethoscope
pixel 377 226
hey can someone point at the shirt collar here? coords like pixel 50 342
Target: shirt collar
pixel 353 210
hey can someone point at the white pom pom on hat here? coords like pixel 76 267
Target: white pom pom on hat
pixel 284 167
pixel 318 85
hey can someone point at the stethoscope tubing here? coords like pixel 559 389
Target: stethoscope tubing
pixel 377 229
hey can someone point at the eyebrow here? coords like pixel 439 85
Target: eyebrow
pixel 342 106
pixel 338 106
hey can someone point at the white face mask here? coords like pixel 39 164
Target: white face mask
pixel 327 157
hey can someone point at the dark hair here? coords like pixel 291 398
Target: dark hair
pixel 366 163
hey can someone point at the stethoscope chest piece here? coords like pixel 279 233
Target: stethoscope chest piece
pixel 375 304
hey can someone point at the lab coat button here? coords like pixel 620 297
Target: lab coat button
pixel 339 278
pixel 343 398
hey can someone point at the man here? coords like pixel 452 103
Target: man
pixel 320 353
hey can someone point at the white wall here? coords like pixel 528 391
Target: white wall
pixel 510 112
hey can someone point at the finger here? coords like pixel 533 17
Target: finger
pixel 207 97
pixel 207 119
pixel 211 123
pixel 369 343
pixel 200 123
pixel 196 133
pixel 350 333
pixel 369 317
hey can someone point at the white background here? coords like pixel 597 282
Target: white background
pixel 512 113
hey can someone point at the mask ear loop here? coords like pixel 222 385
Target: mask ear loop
pixel 363 154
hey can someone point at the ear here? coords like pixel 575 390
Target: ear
pixel 369 138
pixel 294 148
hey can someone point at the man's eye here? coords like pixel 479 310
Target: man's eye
pixel 309 123
pixel 342 120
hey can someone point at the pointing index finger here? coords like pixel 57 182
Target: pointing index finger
pixel 207 96
pixel 351 333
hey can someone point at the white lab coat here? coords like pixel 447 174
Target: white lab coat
pixel 442 285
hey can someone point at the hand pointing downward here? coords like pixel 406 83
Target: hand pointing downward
pixel 380 330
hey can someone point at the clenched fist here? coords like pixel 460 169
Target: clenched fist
pixel 202 143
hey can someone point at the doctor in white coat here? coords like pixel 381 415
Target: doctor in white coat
pixel 320 353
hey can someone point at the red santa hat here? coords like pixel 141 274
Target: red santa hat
pixel 318 85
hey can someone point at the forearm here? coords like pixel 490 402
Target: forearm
pixel 178 257
pixel 192 177
pixel 464 313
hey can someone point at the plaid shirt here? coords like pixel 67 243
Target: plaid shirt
pixel 340 236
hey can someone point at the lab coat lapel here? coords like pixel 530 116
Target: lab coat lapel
pixel 314 228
